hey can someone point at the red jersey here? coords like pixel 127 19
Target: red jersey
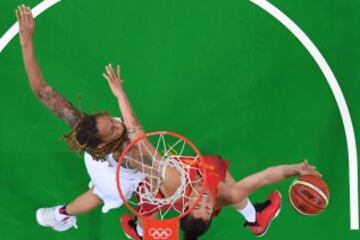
pixel 215 171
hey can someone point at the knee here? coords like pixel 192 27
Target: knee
pixel 236 196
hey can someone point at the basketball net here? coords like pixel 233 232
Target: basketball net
pixel 173 179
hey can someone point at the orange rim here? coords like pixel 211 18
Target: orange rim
pixel 146 135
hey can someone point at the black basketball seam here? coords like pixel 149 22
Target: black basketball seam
pixel 326 193
pixel 305 200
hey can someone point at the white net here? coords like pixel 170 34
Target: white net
pixel 172 171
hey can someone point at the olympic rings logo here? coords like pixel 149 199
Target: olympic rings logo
pixel 160 233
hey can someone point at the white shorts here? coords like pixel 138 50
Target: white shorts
pixel 103 180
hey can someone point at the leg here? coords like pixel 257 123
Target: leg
pixel 258 217
pixel 242 205
pixel 62 218
pixel 84 203
pixel 230 182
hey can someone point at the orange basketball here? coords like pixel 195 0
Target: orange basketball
pixel 309 195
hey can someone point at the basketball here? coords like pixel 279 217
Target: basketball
pixel 309 195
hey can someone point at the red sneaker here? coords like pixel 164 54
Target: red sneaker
pixel 265 213
pixel 128 224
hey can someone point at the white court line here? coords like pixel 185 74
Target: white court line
pixel 37 10
pixel 315 53
pixel 340 100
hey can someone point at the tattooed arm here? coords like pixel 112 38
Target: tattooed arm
pixel 131 122
pixel 53 100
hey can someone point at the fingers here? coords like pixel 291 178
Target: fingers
pixel 106 77
pixel 23 14
pixel 110 71
pixel 28 15
pixel 17 14
pixel 118 70
pixel 20 18
pixel 316 173
pixel 110 74
pixel 306 163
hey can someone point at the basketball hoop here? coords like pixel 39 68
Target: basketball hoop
pixel 173 177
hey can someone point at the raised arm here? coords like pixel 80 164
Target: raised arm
pixel 52 99
pixel 133 127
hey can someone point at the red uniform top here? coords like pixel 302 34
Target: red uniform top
pixel 215 171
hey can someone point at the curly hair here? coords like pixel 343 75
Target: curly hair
pixel 85 137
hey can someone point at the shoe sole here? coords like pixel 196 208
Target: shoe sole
pixel 128 236
pixel 275 216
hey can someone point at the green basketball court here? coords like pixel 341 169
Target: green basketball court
pixel 226 74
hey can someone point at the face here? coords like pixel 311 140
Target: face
pixel 109 129
pixel 204 208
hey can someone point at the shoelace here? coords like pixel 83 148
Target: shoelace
pixel 259 207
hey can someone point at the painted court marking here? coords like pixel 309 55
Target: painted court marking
pixel 340 100
pixel 37 10
pixel 319 59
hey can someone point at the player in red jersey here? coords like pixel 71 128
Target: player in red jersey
pixel 221 190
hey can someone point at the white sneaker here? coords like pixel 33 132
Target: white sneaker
pixel 47 217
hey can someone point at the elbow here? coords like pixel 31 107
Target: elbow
pixel 38 89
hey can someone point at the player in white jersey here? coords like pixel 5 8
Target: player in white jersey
pixel 99 136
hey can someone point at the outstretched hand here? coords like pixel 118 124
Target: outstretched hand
pixel 306 169
pixel 26 24
pixel 113 79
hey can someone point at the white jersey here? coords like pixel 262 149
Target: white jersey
pixel 103 180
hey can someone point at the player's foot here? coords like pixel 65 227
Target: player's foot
pixel 51 217
pixel 128 224
pixel 265 213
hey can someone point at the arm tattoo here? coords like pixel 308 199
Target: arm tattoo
pixel 135 125
pixel 59 105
